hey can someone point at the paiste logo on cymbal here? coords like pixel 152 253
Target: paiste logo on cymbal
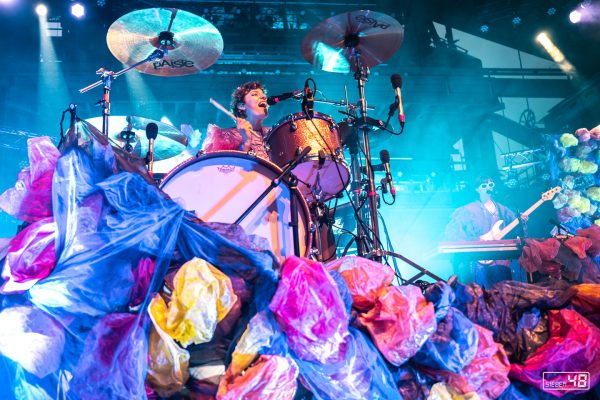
pixel 173 63
pixel 363 19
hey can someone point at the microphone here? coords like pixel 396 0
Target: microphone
pixel 73 111
pixel 397 85
pixel 271 100
pixel 384 155
pixel 384 185
pixel 151 134
pixel 308 100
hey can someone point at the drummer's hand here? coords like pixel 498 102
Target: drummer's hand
pixel 244 127
pixel 193 135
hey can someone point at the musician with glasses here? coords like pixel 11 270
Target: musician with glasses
pixel 250 107
pixel 472 222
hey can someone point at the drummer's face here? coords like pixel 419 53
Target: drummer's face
pixel 255 102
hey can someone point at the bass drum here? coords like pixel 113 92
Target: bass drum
pixel 221 185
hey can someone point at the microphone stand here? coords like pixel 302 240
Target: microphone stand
pixel 293 184
pixel 106 79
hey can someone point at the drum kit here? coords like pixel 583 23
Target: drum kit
pixel 279 199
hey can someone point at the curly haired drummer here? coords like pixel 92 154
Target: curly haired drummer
pixel 249 105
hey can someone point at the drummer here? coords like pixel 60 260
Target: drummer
pixel 249 105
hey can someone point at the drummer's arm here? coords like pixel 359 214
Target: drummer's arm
pixel 222 139
pixel 244 128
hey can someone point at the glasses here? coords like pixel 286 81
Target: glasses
pixel 487 185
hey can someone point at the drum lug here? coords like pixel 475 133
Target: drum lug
pixel 200 153
pixel 312 227
pixel 293 126
pixel 251 152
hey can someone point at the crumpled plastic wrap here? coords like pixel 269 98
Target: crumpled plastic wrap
pixel 113 362
pixel 442 296
pixel 592 233
pixel 31 338
pixel 579 245
pixel 486 375
pixel 142 278
pixel 30 256
pixel 202 297
pixel 532 332
pixel 271 377
pixel 587 301
pixel 412 383
pixel 361 374
pixel 343 290
pixel 167 363
pixel 400 322
pixel 364 278
pixel 443 391
pixel 536 252
pixel 262 335
pixel 31 197
pixel 574 346
pixel 452 346
pixel 309 309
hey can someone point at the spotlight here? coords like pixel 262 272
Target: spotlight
pixel 551 11
pixel 484 28
pixel 7 2
pixel 516 20
pixel 41 10
pixel 77 10
pixel 575 16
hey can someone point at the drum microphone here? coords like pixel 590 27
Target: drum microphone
pixel 397 85
pixel 271 100
pixel 151 134
pixel 308 100
pixel 384 155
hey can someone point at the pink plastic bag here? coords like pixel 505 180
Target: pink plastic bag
pixel 309 309
pixel 364 278
pixel 31 197
pixel 271 377
pixel 30 256
pixel 574 346
pixel 400 322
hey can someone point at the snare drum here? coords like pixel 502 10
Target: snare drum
pixel 324 171
pixel 221 185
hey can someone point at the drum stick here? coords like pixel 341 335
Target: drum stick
pixel 226 111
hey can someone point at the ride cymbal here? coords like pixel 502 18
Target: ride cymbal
pixel 192 43
pixel 332 45
pixel 169 142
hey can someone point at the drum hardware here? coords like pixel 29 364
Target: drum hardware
pixel 292 182
pixel 151 135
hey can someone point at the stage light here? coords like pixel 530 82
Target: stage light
pixel 7 2
pixel 516 20
pixel 484 28
pixel 41 10
pixel 77 10
pixel 575 16
pixel 544 39
pixel 551 11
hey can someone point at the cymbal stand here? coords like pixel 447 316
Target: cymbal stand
pixel 361 75
pixel 106 79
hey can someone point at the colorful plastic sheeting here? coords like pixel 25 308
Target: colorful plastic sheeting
pixel 442 391
pixel 32 339
pixel 400 322
pixel 364 278
pixel 532 332
pixel 113 361
pixel 344 291
pixel 587 301
pixel 361 374
pixel 31 198
pixel 592 233
pixel 167 363
pixel 453 345
pixel 412 383
pixel 442 296
pixel 271 377
pixel 574 346
pixel 262 335
pixel 30 256
pixel 202 296
pixel 310 311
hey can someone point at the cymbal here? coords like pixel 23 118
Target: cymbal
pixel 169 142
pixel 332 44
pixel 192 43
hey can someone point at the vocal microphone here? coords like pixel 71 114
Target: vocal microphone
pixel 271 100
pixel 151 134
pixel 397 85
pixel 384 155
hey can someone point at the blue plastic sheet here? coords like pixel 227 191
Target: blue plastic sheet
pixel 442 296
pixel 453 345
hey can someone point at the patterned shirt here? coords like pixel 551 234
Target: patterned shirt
pixel 230 139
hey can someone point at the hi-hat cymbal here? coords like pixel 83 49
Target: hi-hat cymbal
pixel 332 44
pixel 192 43
pixel 169 142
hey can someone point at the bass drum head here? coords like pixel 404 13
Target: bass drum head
pixel 220 186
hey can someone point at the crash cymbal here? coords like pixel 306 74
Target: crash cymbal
pixel 331 45
pixel 192 43
pixel 169 142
